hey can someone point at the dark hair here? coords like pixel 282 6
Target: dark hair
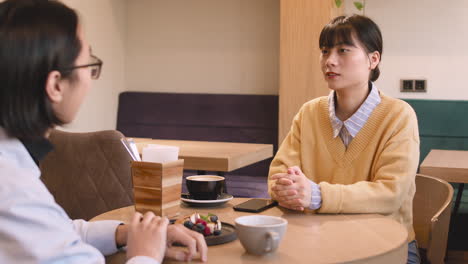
pixel 342 29
pixel 36 37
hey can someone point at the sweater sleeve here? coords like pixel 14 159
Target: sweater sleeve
pixel 289 153
pixel 394 174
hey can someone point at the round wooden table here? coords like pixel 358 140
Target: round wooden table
pixel 310 238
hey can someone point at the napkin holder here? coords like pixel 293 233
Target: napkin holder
pixel 157 186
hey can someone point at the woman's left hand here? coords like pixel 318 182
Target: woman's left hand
pixel 292 190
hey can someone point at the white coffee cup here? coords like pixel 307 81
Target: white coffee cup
pixel 260 234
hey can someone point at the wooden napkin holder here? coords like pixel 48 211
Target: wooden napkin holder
pixel 157 186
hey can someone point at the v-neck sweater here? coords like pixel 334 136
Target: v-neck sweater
pixel 374 174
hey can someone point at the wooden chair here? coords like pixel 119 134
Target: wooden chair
pixel 88 173
pixel 432 206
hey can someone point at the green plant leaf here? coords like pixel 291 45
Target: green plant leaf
pixel 359 5
pixel 338 3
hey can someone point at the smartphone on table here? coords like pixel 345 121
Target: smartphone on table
pixel 255 205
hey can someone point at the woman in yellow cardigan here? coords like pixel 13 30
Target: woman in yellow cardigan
pixel 356 150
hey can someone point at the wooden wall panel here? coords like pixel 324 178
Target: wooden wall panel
pixel 300 76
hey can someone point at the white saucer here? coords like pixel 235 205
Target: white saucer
pixel 206 203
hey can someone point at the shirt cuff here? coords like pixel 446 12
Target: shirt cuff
pixel 142 260
pixel 101 235
pixel 316 197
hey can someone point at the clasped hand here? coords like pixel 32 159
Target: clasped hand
pixel 292 189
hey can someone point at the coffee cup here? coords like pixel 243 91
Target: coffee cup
pixel 205 187
pixel 260 234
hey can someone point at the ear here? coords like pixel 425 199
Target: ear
pixel 374 59
pixel 55 87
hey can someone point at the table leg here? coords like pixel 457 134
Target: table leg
pixel 461 186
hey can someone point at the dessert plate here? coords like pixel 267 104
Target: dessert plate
pixel 228 234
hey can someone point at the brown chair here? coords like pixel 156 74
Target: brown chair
pixel 432 206
pixel 88 173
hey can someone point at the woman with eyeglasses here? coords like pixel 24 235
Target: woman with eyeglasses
pixel 46 68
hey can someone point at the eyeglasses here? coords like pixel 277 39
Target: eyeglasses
pixel 95 66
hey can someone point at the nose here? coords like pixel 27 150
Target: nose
pixel 332 59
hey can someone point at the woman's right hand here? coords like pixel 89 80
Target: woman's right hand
pixel 147 236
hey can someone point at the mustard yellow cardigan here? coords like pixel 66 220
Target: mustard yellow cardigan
pixel 375 174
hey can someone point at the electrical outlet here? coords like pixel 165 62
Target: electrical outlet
pixel 420 86
pixel 407 86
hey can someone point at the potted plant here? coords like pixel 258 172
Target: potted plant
pixel 360 5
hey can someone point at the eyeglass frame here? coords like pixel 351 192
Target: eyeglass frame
pixel 98 63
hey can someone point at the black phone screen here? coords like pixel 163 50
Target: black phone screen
pixel 255 205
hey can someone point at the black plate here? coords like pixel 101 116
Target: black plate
pixel 228 234
pixel 185 197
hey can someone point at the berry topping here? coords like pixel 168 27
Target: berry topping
pixel 207 231
pixel 200 226
pixel 188 224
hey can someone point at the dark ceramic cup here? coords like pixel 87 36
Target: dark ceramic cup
pixel 205 187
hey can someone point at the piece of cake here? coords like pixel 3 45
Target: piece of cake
pixel 204 224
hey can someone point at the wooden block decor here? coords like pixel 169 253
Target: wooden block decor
pixel 157 186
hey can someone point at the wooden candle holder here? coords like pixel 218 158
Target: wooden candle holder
pixel 157 186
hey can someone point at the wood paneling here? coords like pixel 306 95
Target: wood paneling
pixel 300 75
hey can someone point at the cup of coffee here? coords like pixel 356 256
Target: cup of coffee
pixel 260 234
pixel 205 187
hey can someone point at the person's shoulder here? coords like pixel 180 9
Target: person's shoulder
pixel 11 173
pixel 315 103
pixel 397 106
pixel 17 179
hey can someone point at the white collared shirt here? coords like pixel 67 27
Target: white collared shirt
pixel 34 228
pixel 349 128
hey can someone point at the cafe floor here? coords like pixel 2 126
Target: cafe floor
pixel 458 237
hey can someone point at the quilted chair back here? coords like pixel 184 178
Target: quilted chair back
pixel 88 173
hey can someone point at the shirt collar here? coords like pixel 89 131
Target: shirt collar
pixel 355 123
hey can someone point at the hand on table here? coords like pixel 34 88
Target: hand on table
pixel 194 241
pixel 147 236
pixel 139 245
pixel 292 189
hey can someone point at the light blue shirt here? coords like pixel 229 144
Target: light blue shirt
pixel 34 228
pixel 347 130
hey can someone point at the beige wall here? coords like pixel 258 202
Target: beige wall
pixel 203 46
pixel 105 28
pixel 423 39
pixel 232 46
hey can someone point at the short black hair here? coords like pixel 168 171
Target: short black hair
pixel 36 37
pixel 342 29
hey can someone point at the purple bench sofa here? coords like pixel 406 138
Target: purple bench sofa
pixel 206 117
